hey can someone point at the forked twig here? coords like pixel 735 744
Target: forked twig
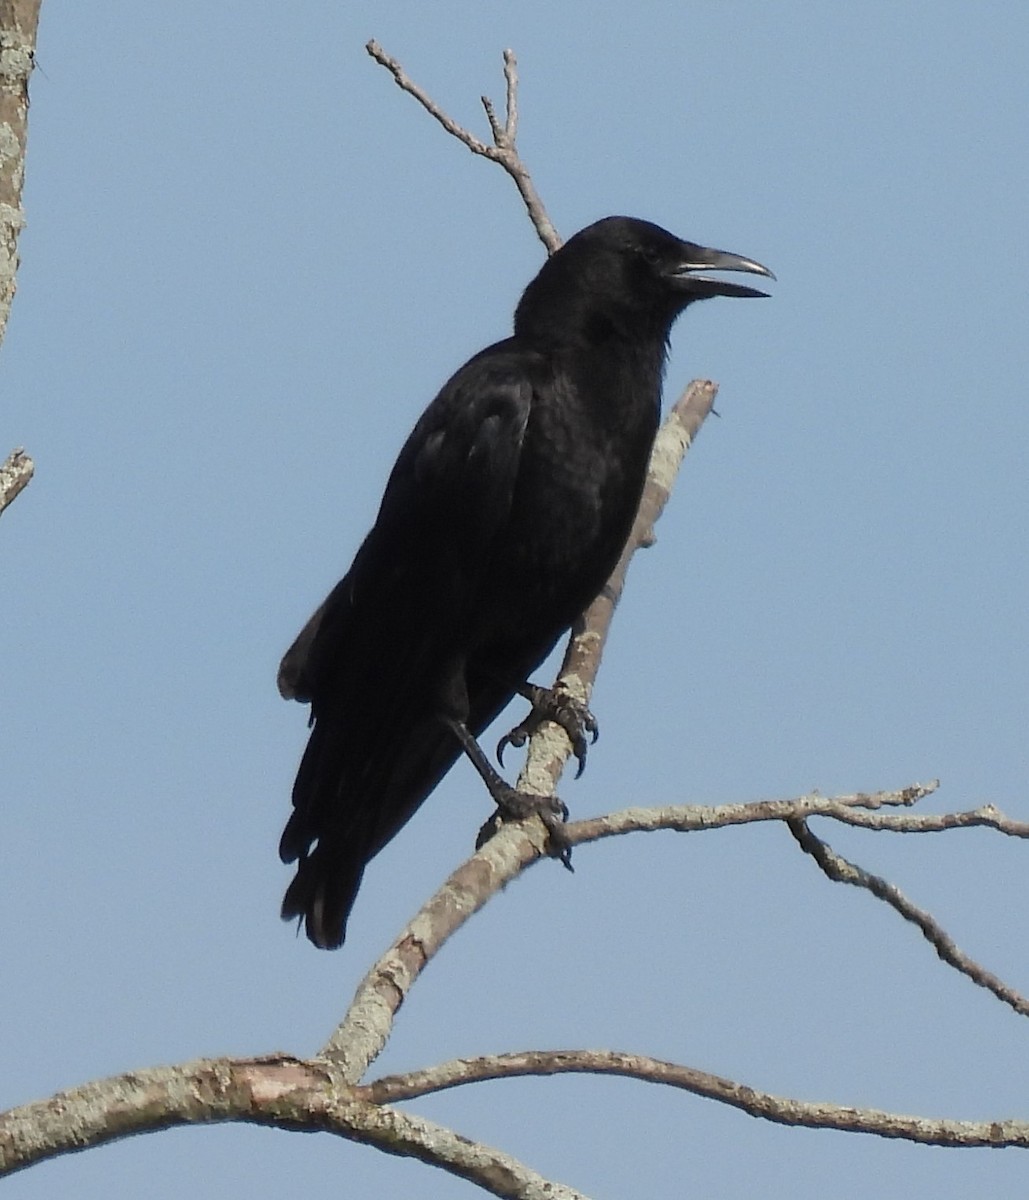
pixel 503 150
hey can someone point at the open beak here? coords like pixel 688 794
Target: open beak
pixel 700 258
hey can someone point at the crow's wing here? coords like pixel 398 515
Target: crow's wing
pixel 447 495
pixel 371 657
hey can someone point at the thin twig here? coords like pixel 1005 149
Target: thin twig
pixel 407 84
pixel 511 98
pixel 367 1025
pixel 780 1109
pixel 503 150
pixel 689 818
pixel 987 817
pixel 491 115
pixel 841 870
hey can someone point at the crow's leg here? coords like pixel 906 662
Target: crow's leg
pixel 513 805
pixel 557 705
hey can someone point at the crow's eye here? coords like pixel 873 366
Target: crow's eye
pixel 650 256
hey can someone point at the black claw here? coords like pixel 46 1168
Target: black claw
pixel 577 721
pixel 558 846
pixel 554 704
pixel 516 737
pixel 579 750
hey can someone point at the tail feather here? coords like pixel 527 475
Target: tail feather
pixel 322 894
pixel 328 841
pixel 312 798
pixel 340 823
pixel 361 779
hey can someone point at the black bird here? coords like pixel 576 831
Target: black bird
pixel 502 519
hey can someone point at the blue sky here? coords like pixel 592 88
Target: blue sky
pixel 250 262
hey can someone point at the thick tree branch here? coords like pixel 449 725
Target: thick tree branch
pixel 288 1093
pixel 277 1091
pixel 274 1090
pixel 409 1136
pixel 780 1109
pixel 18 22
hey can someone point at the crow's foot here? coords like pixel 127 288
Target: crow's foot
pixel 557 705
pixel 513 805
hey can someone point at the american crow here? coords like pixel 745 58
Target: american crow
pixel 502 519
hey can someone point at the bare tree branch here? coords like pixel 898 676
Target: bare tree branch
pixel 780 1109
pixel 18 22
pixel 293 1094
pixel 367 1025
pixel 840 870
pixel 503 150
pixel 288 1093
pixel 277 1091
pixel 273 1090
pixel 15 472
pixel 409 1136
pixel 687 818
pixel 366 1028
pixel 986 817
pixel 849 810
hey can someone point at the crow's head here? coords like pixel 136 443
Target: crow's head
pixel 626 275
